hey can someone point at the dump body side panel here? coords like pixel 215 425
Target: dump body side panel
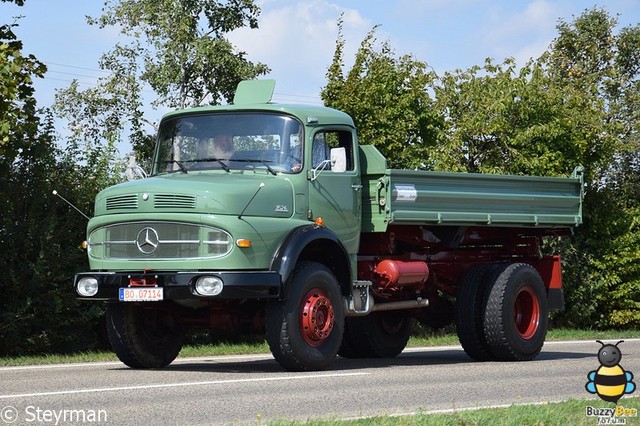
pixel 467 199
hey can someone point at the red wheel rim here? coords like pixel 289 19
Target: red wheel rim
pixel 316 317
pixel 526 313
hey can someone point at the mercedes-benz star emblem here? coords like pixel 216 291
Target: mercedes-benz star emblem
pixel 147 240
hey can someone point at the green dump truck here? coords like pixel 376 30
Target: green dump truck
pixel 271 218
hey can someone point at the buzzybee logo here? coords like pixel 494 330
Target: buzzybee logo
pixel 610 381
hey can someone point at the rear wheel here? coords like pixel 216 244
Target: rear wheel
pixel 143 338
pixel 377 335
pixel 517 313
pixel 471 303
pixel 305 330
pixel 350 347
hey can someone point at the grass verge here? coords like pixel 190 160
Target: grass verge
pixel 572 412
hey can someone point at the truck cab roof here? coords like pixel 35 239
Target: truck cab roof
pixel 255 95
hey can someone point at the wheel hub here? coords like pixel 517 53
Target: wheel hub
pixel 526 313
pixel 316 317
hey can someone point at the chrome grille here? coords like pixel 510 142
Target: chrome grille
pixel 158 240
pixel 123 202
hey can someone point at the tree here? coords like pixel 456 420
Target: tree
pixel 186 59
pixel 176 48
pixel 603 266
pixel 486 119
pixel 17 105
pixel 40 238
pixel 387 99
pixel 18 2
pixel 504 120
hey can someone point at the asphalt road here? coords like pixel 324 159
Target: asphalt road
pixel 255 389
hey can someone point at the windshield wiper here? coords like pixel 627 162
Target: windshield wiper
pixel 264 163
pixel 211 159
pixel 183 169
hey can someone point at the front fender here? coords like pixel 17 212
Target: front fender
pixel 314 243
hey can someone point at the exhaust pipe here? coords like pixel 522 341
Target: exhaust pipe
pixel 361 303
pixel 405 304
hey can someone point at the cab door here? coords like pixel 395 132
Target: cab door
pixel 336 196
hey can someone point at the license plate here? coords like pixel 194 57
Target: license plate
pixel 141 294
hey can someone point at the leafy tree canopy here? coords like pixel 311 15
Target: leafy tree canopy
pixel 177 49
pixel 17 104
pixel 387 99
pixel 39 236
pixel 603 264
pixel 185 57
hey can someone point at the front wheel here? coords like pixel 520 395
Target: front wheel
pixel 143 338
pixel 305 330
pixel 517 313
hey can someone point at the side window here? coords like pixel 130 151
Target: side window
pixel 320 150
pixel 325 140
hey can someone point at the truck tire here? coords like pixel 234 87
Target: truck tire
pixel 349 348
pixel 517 313
pixel 470 307
pixel 377 335
pixel 304 331
pixel 143 338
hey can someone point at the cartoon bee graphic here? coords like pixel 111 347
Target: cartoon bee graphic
pixel 610 381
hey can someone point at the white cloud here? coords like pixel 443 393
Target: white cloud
pixel 297 41
pixel 522 35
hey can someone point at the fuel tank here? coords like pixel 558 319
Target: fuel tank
pixel 394 273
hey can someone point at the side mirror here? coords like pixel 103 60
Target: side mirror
pixel 338 160
pixel 134 170
pixel 337 163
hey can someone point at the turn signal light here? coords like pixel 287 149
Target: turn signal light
pixel 318 221
pixel 243 243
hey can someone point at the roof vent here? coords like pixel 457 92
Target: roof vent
pixel 254 92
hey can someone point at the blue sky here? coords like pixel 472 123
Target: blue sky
pixel 297 38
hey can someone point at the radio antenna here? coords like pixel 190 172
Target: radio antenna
pixel 254 196
pixel 54 192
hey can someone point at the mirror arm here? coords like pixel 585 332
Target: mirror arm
pixel 319 168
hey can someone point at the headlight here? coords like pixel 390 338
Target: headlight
pixel 87 286
pixel 209 286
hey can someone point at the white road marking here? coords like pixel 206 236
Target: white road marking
pixel 185 384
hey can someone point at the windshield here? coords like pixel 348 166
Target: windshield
pixel 226 141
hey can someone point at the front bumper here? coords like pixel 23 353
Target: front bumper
pixel 180 285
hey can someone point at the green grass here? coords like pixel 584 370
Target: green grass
pixel 217 349
pixel 253 345
pixel 225 348
pixel 568 334
pixel 572 412
pixel 425 338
